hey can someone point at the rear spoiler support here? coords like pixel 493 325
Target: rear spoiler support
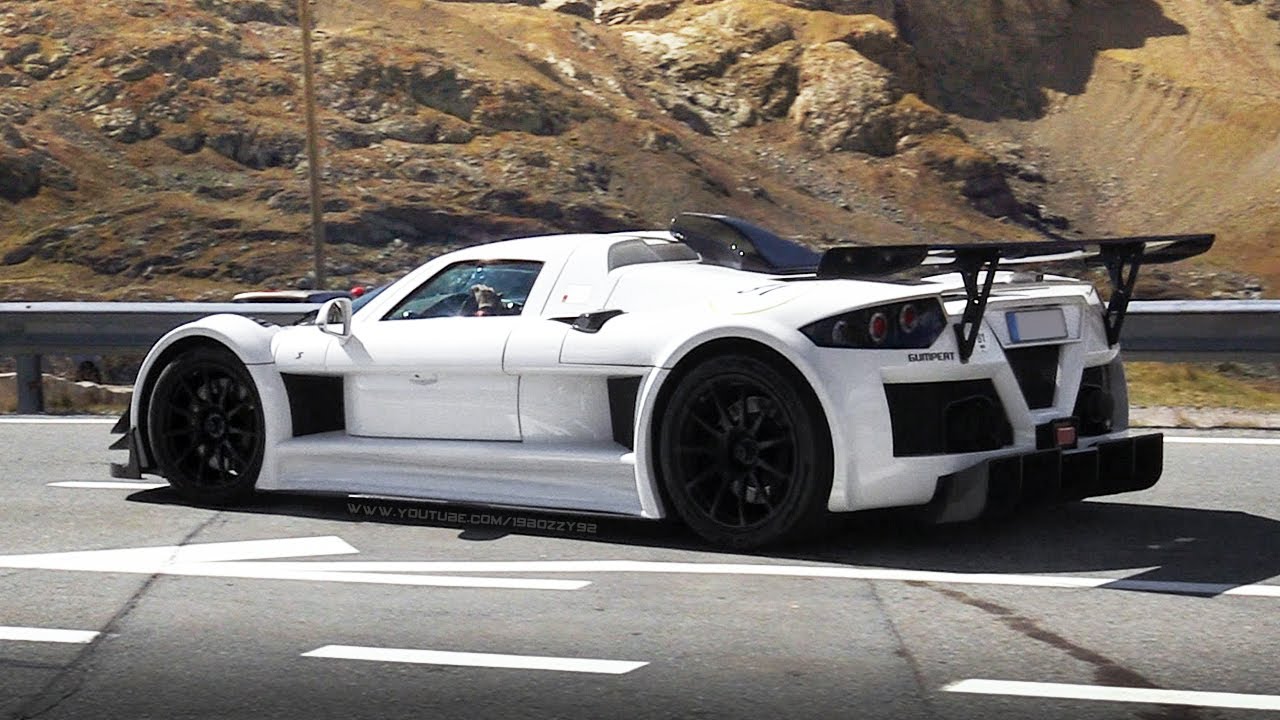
pixel 1122 261
pixel 971 266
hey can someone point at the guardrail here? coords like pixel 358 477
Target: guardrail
pixel 29 330
pixel 1173 331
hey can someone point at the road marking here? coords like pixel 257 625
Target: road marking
pixel 466 659
pixel 47 635
pixel 106 485
pixel 231 560
pixel 1117 694
pixel 75 420
pixel 803 571
pixel 245 559
pixel 1221 440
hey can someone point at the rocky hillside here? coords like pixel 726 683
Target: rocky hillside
pixel 164 158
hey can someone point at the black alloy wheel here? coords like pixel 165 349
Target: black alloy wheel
pixel 744 455
pixel 206 427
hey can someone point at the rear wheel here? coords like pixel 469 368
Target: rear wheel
pixel 744 453
pixel 206 427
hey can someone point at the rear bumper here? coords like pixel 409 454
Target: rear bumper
pixel 1000 485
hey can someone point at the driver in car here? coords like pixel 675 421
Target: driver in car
pixel 487 300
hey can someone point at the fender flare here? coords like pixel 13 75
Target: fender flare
pixel 249 340
pixel 788 343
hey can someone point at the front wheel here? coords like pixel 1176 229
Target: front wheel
pixel 206 427
pixel 744 453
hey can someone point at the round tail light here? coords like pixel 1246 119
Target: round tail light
pixel 908 318
pixel 878 328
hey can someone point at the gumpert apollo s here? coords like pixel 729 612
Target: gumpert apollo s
pixel 743 383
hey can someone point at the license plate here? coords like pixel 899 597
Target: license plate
pixel 1036 325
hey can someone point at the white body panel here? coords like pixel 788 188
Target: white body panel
pixel 435 379
pixel 517 410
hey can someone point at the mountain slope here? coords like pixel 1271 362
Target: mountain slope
pixel 166 159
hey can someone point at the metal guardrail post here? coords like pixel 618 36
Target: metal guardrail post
pixel 30 385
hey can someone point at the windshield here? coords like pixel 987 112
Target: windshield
pixel 356 305
pixel 364 299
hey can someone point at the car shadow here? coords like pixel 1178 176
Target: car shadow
pixel 1206 552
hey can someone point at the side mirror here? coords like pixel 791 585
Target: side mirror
pixel 334 317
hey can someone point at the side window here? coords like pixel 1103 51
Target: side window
pixel 473 288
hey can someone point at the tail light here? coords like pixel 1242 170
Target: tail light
pixel 903 325
pixel 878 328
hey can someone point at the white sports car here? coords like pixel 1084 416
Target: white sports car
pixel 744 383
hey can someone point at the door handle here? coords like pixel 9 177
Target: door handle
pixel 423 379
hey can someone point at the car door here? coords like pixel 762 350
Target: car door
pixel 431 368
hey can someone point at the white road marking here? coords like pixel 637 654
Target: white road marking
pixel 1117 694
pixel 227 560
pixel 466 659
pixel 47 635
pixel 804 571
pixel 73 420
pixel 106 485
pixel 1221 440
pixel 245 560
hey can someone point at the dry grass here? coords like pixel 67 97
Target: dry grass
pixel 1207 385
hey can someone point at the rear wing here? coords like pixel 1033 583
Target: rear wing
pixel 977 264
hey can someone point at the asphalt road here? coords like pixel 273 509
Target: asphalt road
pixel 1150 599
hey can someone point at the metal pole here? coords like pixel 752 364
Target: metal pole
pixel 30 385
pixel 313 143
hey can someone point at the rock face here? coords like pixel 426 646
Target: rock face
pixel 19 176
pixel 170 152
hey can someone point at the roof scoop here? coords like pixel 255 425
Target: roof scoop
pixel 735 243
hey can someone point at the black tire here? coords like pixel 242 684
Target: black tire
pixel 745 454
pixel 206 427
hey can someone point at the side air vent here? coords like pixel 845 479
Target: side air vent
pixel 315 403
pixel 622 409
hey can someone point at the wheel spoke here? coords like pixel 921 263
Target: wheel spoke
pixel 179 432
pixel 240 460
pixel 202 466
pixel 185 454
pixel 742 509
pixel 224 391
pixel 192 390
pixel 706 427
pixel 239 408
pixel 715 502
pixel 721 411
pixel 182 411
pixel 224 470
pixel 688 449
pixel 238 432
pixel 701 477
pixel 764 465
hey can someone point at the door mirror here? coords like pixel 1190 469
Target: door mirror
pixel 334 317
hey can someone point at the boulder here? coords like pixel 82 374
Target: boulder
pixel 124 125
pixel 839 89
pixel 258 150
pixel 616 12
pixel 19 176
pixel 409 129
